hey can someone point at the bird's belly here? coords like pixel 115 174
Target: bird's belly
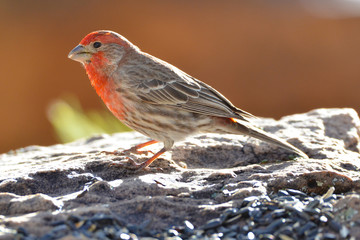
pixel 159 122
pixel 164 123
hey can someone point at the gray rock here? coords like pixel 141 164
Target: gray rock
pixel 199 179
pixel 11 204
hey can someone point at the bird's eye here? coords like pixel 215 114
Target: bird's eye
pixel 97 44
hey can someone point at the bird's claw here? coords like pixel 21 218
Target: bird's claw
pixel 111 153
pixel 127 151
pixel 129 164
pixel 137 151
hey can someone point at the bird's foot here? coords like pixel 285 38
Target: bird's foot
pixel 130 164
pixel 111 153
pixel 136 150
pixel 127 151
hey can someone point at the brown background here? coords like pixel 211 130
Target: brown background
pixel 270 58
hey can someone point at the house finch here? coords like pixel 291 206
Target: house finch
pixel 157 99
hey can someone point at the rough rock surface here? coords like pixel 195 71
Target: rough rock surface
pixel 196 181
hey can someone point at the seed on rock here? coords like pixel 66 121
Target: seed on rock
pixel 189 227
pixel 272 227
pixel 230 212
pixel 313 204
pixel 278 213
pixel 286 230
pixel 285 237
pixel 267 237
pixel 172 233
pixel 327 206
pixel 249 200
pixel 22 231
pixel 309 225
pixel 283 193
pixel 213 223
pixel 323 219
pixel 287 198
pixel 310 234
pixel 335 225
pixel 255 213
pixel 251 235
pixel 332 197
pixel 295 192
pixel 329 236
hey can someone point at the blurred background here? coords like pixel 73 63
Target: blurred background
pixel 271 58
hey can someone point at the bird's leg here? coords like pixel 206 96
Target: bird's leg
pixel 167 146
pixel 136 148
pixel 150 160
pixel 138 166
pixel 131 164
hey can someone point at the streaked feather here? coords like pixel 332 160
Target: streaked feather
pixel 166 84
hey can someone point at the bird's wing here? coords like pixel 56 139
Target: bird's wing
pixel 167 85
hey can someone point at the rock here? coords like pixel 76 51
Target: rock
pixel 11 204
pixel 200 178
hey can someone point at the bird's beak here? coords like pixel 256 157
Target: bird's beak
pixel 80 54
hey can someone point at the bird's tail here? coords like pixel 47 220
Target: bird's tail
pixel 241 127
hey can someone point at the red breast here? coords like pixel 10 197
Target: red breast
pixel 104 86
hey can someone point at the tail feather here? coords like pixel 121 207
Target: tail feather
pixel 248 129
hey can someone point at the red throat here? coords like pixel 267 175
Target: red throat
pixel 104 86
pixel 97 77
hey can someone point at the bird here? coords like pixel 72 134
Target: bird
pixel 158 99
